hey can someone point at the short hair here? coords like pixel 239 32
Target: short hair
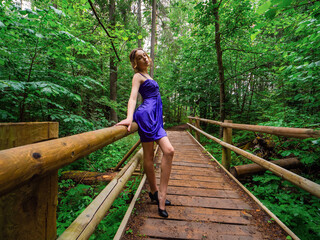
pixel 133 60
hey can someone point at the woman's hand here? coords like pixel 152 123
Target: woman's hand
pixel 125 122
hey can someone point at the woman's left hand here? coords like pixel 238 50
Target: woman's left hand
pixel 125 122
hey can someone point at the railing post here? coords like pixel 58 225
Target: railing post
pixel 226 153
pixel 197 126
pixel 190 128
pixel 29 211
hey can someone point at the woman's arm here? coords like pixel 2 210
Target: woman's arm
pixel 136 81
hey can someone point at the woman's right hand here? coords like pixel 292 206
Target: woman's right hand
pixel 125 122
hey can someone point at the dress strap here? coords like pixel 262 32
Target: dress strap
pixel 143 75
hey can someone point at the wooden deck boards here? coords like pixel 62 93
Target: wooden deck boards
pixel 206 203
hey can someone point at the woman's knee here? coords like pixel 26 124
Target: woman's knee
pixel 169 151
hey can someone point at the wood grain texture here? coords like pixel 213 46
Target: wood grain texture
pixel 29 211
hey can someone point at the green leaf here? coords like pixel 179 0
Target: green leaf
pixel 264 7
pixel 2 25
pixel 139 37
pixel 271 13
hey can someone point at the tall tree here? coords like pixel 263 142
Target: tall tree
pixel 139 24
pixel 153 34
pixel 217 40
pixel 113 65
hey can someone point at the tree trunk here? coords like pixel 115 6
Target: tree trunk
pixel 113 66
pixel 139 23
pixel 153 35
pixel 220 62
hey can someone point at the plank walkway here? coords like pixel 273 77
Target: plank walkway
pixel 207 203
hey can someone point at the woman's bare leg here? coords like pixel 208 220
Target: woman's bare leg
pixel 166 163
pixel 148 165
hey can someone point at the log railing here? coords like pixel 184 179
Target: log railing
pixel 24 166
pixel 299 181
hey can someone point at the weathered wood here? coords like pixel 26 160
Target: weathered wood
pixel 20 164
pixel 280 131
pixel 226 153
pixel 202 192
pixel 127 155
pixel 29 211
pixel 19 134
pixel 87 221
pixel 255 168
pixel 198 126
pixel 195 230
pixel 299 181
pixel 200 214
pixel 190 128
pixel 87 177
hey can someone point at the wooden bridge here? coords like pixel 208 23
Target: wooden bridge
pixel 207 201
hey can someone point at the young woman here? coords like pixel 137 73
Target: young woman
pixel 148 116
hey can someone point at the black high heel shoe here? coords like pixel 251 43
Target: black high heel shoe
pixel 162 213
pixel 154 197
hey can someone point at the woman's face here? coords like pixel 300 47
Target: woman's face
pixel 142 59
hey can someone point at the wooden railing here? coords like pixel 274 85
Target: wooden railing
pixel 299 181
pixel 29 178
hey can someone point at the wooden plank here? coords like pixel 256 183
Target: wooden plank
pixel 198 184
pixel 198 165
pixel 19 134
pixel 196 171
pixel 200 214
pixel 200 192
pixel 29 211
pixel 177 176
pixel 218 203
pixel 194 230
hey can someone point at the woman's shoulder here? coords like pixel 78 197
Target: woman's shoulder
pixel 138 78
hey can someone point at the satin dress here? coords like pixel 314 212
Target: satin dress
pixel 149 115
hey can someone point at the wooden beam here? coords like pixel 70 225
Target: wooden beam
pixel 86 222
pixel 29 211
pixel 280 131
pixel 127 155
pixel 226 153
pixel 19 134
pixel 20 164
pixel 299 181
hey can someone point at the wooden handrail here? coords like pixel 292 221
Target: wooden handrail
pixel 280 131
pixel 127 155
pixel 20 164
pixel 299 181
pixel 86 222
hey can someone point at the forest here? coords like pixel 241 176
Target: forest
pixel 250 61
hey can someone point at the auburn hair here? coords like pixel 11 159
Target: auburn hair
pixel 133 60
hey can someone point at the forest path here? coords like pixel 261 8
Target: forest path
pixel 206 202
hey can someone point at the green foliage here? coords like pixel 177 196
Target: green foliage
pixel 296 208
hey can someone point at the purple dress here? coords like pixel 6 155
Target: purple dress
pixel 148 115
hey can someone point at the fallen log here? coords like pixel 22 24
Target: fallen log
pixel 87 177
pixel 90 178
pixel 255 168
